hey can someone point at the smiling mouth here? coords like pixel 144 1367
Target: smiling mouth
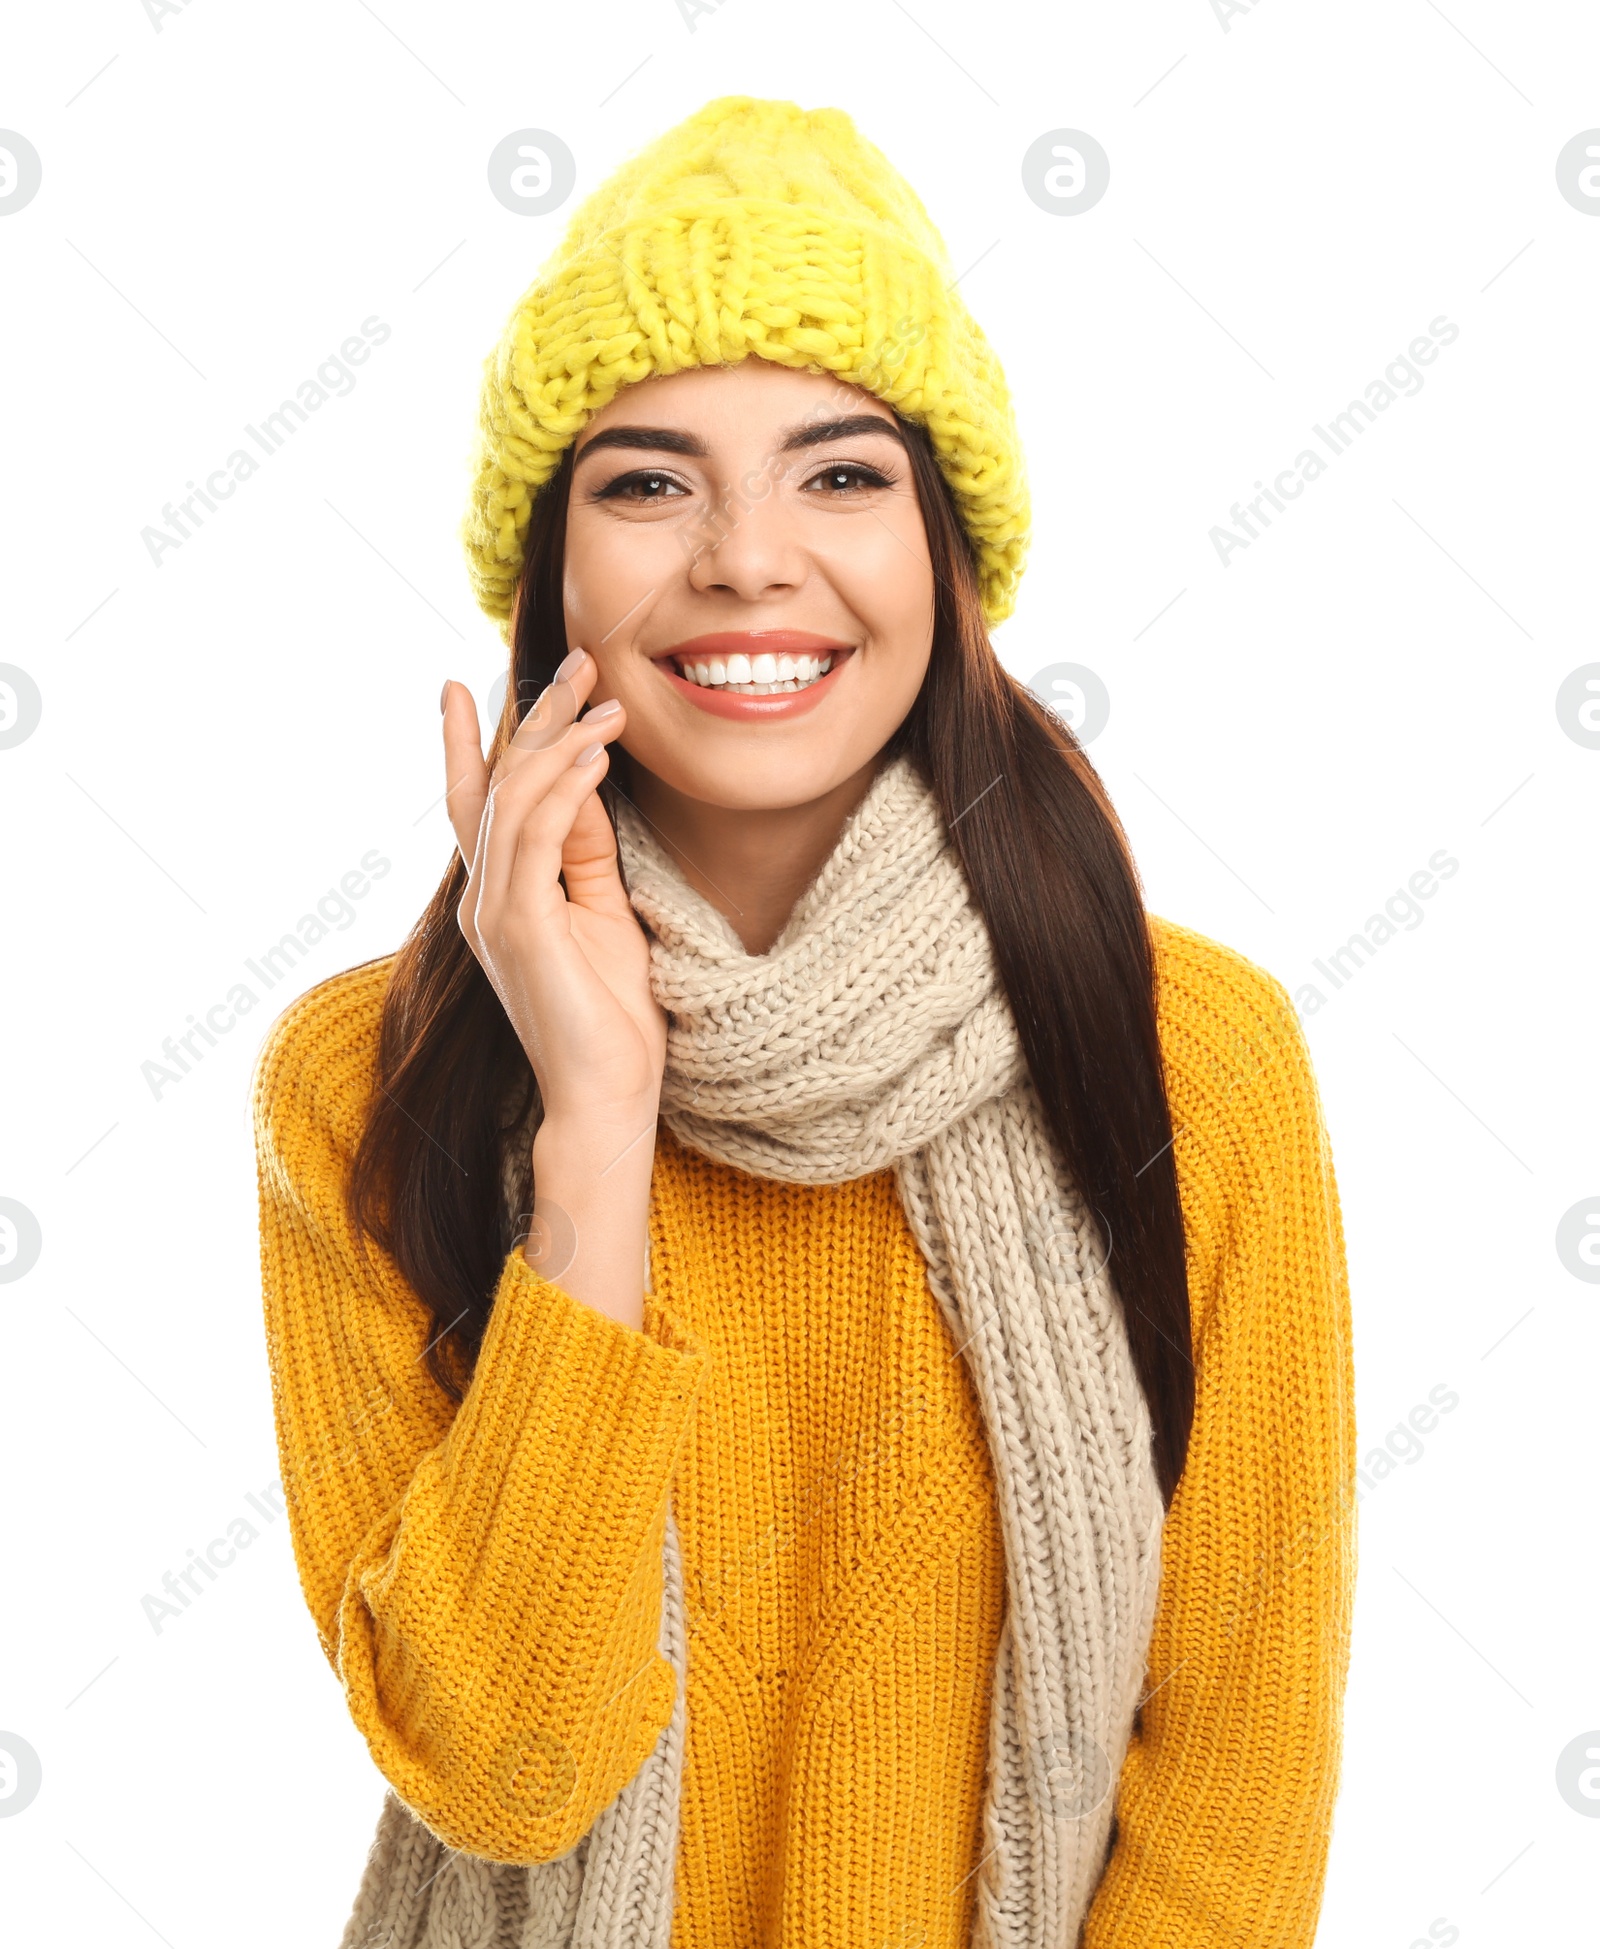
pixel 766 674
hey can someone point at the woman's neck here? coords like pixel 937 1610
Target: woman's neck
pixel 751 866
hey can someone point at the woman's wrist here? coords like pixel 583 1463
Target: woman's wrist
pixel 591 1187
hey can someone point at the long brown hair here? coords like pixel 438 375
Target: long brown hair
pixel 1051 870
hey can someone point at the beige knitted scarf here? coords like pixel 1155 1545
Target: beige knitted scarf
pixel 875 1033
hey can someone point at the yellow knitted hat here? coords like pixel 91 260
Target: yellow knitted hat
pixel 753 227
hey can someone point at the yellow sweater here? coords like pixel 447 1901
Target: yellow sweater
pixel 486 1580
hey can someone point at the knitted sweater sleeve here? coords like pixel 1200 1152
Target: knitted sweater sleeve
pixel 485 1578
pixel 1225 1803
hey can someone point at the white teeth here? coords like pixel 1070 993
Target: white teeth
pixel 758 676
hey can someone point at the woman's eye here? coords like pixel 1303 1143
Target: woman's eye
pixel 847 478
pixel 640 487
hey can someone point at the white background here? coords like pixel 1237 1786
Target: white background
pixel 1295 193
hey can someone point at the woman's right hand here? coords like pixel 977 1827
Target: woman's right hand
pixel 571 967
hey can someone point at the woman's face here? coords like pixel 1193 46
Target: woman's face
pixel 732 527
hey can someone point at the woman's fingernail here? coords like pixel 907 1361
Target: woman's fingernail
pixel 588 754
pixel 570 665
pixel 443 694
pixel 608 709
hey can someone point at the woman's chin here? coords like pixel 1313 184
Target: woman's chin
pixel 751 771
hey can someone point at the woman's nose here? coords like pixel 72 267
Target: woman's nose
pixel 748 546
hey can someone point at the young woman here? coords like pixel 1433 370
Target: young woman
pixel 809 1332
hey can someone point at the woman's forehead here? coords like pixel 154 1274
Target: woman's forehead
pixel 716 399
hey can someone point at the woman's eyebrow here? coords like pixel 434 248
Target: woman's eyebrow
pixel 661 439
pixel 814 433
pixel 672 439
